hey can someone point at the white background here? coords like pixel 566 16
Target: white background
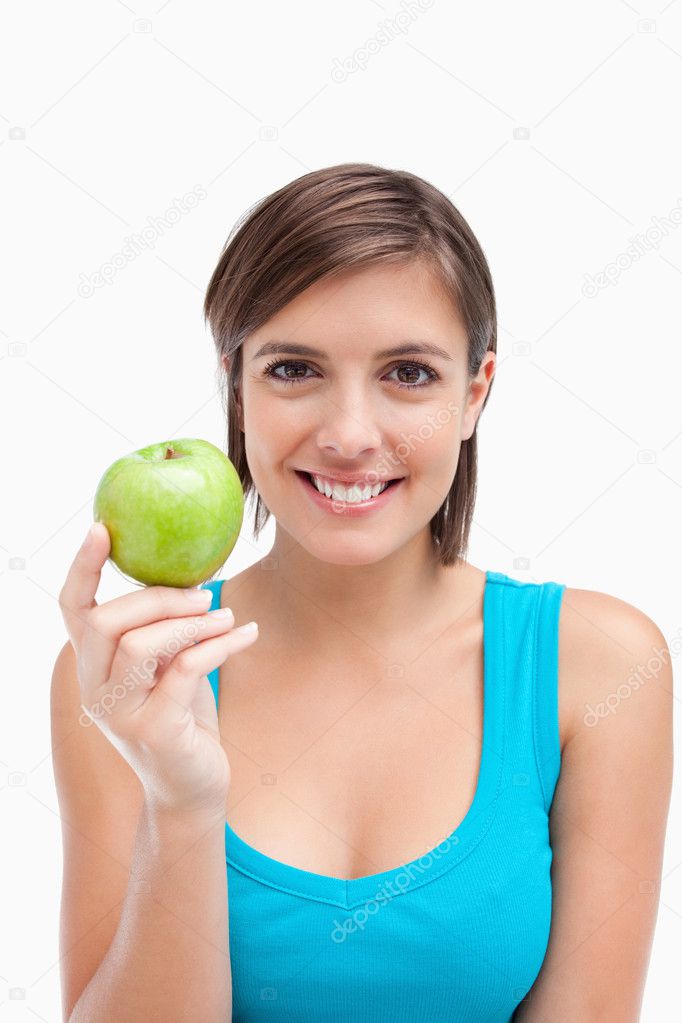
pixel 553 128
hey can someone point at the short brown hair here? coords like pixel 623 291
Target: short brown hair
pixel 319 225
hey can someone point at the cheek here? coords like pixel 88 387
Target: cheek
pixel 264 410
pixel 272 433
pixel 430 448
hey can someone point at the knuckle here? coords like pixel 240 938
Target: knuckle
pixel 193 631
pixel 96 619
pixel 128 646
pixel 184 660
pixel 165 596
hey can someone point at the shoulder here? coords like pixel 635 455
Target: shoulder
pixel 608 651
pixel 609 812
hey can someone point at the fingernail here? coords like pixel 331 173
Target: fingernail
pixel 199 596
pixel 89 536
pixel 222 612
pixel 249 627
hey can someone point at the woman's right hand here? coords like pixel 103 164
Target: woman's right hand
pixel 142 662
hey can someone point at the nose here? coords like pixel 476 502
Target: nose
pixel 348 430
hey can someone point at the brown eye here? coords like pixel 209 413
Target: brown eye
pixel 413 370
pixel 269 371
pixel 412 374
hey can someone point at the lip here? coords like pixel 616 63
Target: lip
pixel 343 508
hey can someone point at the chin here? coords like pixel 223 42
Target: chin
pixel 350 552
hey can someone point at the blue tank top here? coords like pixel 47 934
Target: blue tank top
pixel 457 935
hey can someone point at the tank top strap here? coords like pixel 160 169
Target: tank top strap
pixel 214 585
pixel 527 630
pixel 546 688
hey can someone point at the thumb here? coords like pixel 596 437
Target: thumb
pixel 78 593
pixel 99 541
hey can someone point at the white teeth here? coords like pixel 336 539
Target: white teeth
pixel 351 495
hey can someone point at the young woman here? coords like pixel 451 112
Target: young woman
pixel 388 802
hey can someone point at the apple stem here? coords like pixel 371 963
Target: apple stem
pixel 171 453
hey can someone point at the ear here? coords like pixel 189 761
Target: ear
pixel 476 392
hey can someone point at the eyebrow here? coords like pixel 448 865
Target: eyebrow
pixel 407 348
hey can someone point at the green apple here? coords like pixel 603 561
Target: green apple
pixel 173 511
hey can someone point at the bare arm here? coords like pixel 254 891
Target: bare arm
pixel 169 958
pixel 142 781
pixel 144 916
pixel 609 815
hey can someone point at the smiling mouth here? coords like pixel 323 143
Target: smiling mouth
pixel 309 478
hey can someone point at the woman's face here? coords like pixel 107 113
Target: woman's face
pixel 350 407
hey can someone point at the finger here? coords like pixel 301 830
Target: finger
pixel 143 654
pixel 177 685
pixel 108 623
pixel 77 596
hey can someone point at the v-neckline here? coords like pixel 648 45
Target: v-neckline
pixel 406 877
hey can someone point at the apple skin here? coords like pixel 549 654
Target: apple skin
pixel 173 510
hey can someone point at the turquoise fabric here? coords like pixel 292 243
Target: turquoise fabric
pixel 459 934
